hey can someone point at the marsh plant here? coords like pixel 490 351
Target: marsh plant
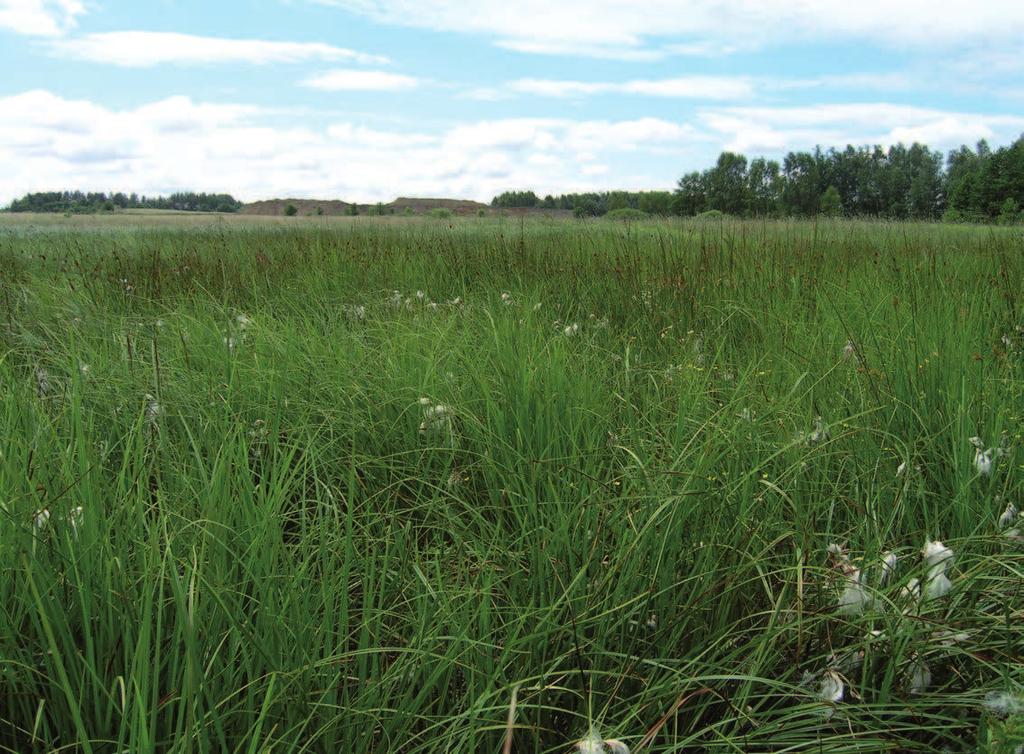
pixel 686 518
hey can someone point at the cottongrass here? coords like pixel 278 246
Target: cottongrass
pixel 437 417
pixel 938 558
pixel 1004 704
pixel 595 744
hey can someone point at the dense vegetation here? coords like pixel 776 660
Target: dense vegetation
pixel 77 202
pixel 419 487
pixel 977 185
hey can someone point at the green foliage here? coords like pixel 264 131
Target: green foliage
pixel 1009 212
pixel 711 214
pixel 442 213
pixel 290 210
pixel 515 199
pixel 626 213
pixel 831 203
pixel 257 538
pixel 76 202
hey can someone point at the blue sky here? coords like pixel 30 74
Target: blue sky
pixel 371 99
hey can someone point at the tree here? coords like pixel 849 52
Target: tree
pixel 1009 213
pixel 831 203
pixel 691 195
pixel 800 193
pixel 764 187
pixel 727 184
pixel 291 210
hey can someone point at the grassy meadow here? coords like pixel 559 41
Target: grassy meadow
pixel 502 485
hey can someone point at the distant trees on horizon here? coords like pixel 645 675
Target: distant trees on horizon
pixel 915 182
pixel 78 202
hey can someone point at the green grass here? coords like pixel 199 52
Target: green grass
pixel 625 527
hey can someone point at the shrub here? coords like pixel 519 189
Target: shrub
pixel 441 213
pixel 711 214
pixel 626 213
pixel 1009 212
pixel 291 210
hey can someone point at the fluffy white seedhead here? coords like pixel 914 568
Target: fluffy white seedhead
pixel 919 676
pixel 936 553
pixel 983 462
pixel 938 557
pixel 830 690
pixel 911 592
pixel 937 585
pixel 977 442
pixel 1008 516
pixel 436 417
pixel 355 312
pixel 889 561
pixel 901 469
pixel 506 298
pixel 572 330
pixel 594 744
pixel 41 518
pixel 849 350
pixel 855 599
pixel 1003 704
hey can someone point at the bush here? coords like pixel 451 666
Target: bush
pixel 481 213
pixel 1009 212
pixel 291 210
pixel 626 213
pixel 711 214
pixel 441 213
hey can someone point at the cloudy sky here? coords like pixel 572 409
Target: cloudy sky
pixel 370 99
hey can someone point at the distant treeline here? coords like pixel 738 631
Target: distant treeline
pixel 977 185
pixel 83 202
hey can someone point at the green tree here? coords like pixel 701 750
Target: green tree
pixel 727 184
pixel 291 210
pixel 831 203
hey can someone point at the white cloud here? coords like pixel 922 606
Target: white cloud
pixel 694 87
pixel 141 49
pixel 778 129
pixel 360 81
pixel 42 18
pixel 50 143
pixel 628 29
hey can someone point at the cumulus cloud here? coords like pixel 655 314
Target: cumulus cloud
pixel 777 129
pixel 360 81
pixel 48 142
pixel 42 18
pixel 657 28
pixel 693 87
pixel 141 49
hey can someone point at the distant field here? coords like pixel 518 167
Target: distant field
pixel 411 485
